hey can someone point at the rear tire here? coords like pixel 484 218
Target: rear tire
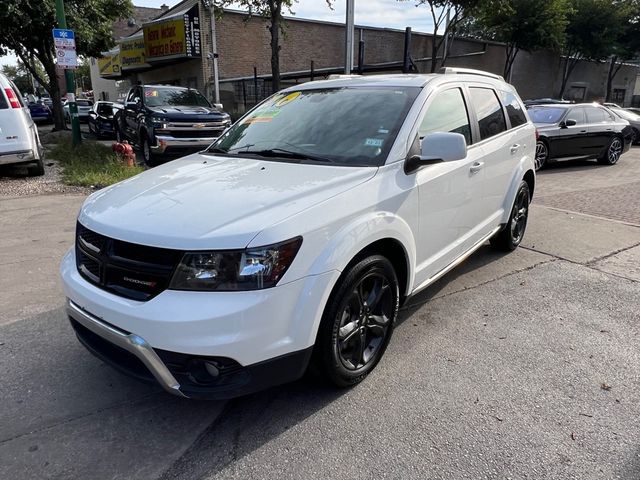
pixel 613 152
pixel 36 170
pixel 357 322
pixel 512 233
pixel 542 155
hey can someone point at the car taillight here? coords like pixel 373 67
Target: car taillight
pixel 13 100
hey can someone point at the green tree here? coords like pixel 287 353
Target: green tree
pixel 26 29
pixel 447 16
pixel 22 77
pixel 83 74
pixel 592 30
pixel 523 25
pixel 272 10
pixel 627 44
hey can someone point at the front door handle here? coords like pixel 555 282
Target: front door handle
pixel 476 167
pixel 514 148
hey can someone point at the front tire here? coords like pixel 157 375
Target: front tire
pixel 357 322
pixel 147 154
pixel 613 152
pixel 512 233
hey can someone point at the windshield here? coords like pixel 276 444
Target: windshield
pixel 158 96
pixel 546 114
pixel 348 126
pixel 105 109
pixel 83 103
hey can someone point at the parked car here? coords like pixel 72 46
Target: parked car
pixel 633 110
pixel 586 130
pixel 40 112
pixel 84 107
pixel 19 142
pixel 167 120
pixel 297 235
pixel 101 118
pixel 634 121
pixel 610 105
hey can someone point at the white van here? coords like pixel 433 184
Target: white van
pixel 19 141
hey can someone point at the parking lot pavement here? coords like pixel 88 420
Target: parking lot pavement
pixel 512 366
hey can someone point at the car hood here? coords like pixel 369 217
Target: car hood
pixel 546 126
pixel 179 112
pixel 209 202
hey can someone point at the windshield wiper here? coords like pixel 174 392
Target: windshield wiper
pixel 283 153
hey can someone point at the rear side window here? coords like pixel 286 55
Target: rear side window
pixel 489 112
pixel 515 111
pixel 447 113
pixel 3 101
pixel 17 93
pixel 595 115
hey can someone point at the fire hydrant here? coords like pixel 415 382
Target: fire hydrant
pixel 125 152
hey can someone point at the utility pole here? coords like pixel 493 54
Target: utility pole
pixel 76 138
pixel 214 53
pixel 348 39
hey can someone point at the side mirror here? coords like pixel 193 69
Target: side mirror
pixel 569 122
pixel 218 106
pixel 436 148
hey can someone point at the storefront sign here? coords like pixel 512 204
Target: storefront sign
pixel 109 65
pixel 175 37
pixel 132 55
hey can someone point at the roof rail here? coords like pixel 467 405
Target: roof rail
pixel 469 71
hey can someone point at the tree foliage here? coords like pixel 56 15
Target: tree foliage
pixel 447 16
pixel 272 10
pixel 522 25
pixel 27 25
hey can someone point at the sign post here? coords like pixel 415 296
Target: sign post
pixel 65 44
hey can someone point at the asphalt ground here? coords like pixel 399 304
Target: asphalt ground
pixel 512 366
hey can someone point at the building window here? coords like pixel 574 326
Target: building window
pixel 576 93
pixel 618 95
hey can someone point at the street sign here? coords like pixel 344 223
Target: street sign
pixel 65 44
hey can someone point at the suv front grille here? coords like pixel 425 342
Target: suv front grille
pixel 127 269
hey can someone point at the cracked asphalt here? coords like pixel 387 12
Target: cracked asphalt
pixel 512 366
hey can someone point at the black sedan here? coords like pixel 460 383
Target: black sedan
pixel 101 121
pixel 579 131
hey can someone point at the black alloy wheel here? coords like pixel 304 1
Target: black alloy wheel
pixel 542 155
pixel 358 322
pixel 612 153
pixel 511 235
pixel 147 154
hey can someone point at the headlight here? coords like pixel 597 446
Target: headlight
pixel 159 119
pixel 235 270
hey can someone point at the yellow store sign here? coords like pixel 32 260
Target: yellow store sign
pixel 132 54
pixel 175 37
pixel 109 65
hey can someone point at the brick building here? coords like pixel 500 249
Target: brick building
pixel 315 49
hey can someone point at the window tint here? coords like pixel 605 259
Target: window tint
pixel 577 114
pixel 514 109
pixel 489 112
pixel 539 114
pixel 17 93
pixel 595 115
pixel 3 102
pixel 447 113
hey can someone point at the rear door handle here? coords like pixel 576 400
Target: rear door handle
pixel 514 148
pixel 476 167
pixel 583 131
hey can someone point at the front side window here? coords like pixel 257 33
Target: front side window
pixel 595 115
pixel 347 126
pixel 447 113
pixel 515 111
pixel 489 112
pixel 578 115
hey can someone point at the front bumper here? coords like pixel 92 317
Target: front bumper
pixel 21 156
pixel 167 144
pixel 256 338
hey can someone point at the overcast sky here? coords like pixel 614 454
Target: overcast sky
pixel 377 13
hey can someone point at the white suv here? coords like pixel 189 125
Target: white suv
pixel 296 236
pixel 19 140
